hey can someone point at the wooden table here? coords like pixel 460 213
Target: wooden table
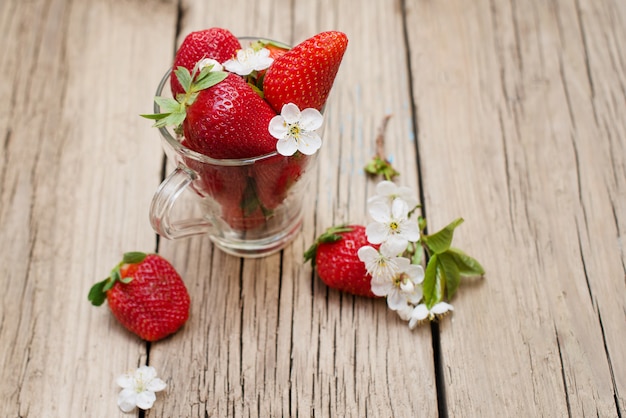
pixel 510 114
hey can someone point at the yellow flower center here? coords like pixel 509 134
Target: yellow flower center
pixel 394 226
pixel 294 131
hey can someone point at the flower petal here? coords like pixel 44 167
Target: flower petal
pixel 291 113
pixel 367 254
pixel 416 273
pixel 441 308
pixel 156 385
pixel 398 240
pixel 392 248
pixel 386 188
pixel 127 400
pixel 395 300
pixel 278 127
pixel 411 231
pixel 125 381
pixel 380 212
pixel 205 62
pixel 146 399
pixel 311 119
pixel 309 143
pixel 286 146
pixel 399 209
pixel 420 312
pixel 381 288
pixel 376 232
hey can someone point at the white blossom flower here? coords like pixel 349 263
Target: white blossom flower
pixel 387 191
pixel 404 312
pixel 404 287
pixel 295 130
pixel 381 263
pixel 391 224
pixel 249 60
pixel 205 62
pixel 421 312
pixel 138 388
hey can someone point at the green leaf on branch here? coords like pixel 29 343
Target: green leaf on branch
pixel 451 273
pixel 440 241
pixel 434 282
pixel 468 266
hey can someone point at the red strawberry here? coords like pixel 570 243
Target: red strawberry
pixel 305 74
pixel 216 43
pixel 229 120
pixel 232 188
pixel 334 255
pixel 146 295
pixel 275 177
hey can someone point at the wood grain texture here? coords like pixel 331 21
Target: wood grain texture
pixel 280 343
pixel 510 114
pixel 522 133
pixel 77 170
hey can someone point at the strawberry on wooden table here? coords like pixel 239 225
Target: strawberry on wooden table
pixel 305 74
pixel 334 256
pixel 146 295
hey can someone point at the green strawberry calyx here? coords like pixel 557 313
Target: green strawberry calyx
pixel 174 111
pixel 332 234
pixel 98 292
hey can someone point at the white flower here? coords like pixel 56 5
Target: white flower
pixel 138 388
pixel 380 264
pixel 387 191
pixel 404 287
pixel 205 62
pixel 295 130
pixel 391 224
pixel 404 312
pixel 248 60
pixel 421 312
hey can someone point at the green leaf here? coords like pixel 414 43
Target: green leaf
pixel 432 285
pixel 97 295
pixel 332 234
pixel 155 116
pixel 167 104
pixel 467 265
pixel 173 119
pixel 115 276
pixel 184 77
pixel 133 257
pixel 440 241
pixel 208 80
pixel 451 273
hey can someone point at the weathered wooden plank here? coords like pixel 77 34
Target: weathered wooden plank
pixel 521 118
pixel 77 170
pixel 266 337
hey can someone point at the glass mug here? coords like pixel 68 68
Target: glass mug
pixel 249 207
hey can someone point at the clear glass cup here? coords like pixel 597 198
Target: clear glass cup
pixel 249 207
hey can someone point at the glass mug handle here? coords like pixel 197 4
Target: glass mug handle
pixel 163 202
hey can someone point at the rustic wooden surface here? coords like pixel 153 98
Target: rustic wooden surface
pixel 510 114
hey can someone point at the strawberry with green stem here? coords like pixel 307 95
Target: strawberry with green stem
pixel 145 294
pixel 214 43
pixel 334 256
